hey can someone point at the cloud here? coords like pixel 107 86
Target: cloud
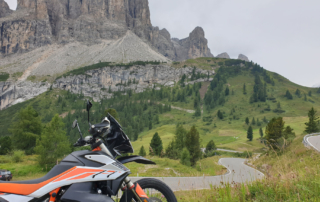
pixel 282 36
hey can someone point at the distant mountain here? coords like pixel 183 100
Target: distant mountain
pixel 46 25
pixel 316 85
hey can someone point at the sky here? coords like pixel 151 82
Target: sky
pixel 282 36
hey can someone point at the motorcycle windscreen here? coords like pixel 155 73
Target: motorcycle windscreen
pixel 119 143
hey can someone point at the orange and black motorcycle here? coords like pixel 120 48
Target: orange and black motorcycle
pixel 92 176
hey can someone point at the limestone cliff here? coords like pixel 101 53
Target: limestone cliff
pixel 4 9
pixel 38 23
pixel 223 55
pixel 196 45
pixel 243 57
pixel 99 83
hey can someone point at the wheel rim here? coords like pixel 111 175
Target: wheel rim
pixel 155 195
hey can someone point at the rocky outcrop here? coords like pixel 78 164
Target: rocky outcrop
pixel 102 82
pixel 243 57
pixel 12 93
pixel 223 55
pixel 196 45
pixel 4 9
pixel 38 23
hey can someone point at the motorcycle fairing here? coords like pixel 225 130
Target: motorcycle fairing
pixel 82 192
pixel 14 197
pixel 81 174
pixel 137 159
pixel 95 166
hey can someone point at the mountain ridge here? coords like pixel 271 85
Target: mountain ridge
pixel 38 23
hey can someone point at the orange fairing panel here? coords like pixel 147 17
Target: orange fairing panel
pixel 74 174
pixel 26 189
pixel 140 192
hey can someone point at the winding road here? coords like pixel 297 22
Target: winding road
pixel 314 141
pixel 238 172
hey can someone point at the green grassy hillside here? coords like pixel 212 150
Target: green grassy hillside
pixel 138 110
pixel 292 175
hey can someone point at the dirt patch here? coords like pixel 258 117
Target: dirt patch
pixel 169 116
pixel 63 115
pixel 204 88
pixel 228 133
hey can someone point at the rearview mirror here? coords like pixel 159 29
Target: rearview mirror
pixel 89 105
pixel 75 123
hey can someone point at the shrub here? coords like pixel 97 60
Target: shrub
pixel 18 156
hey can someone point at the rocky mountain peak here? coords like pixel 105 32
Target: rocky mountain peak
pixel 38 23
pixel 4 9
pixel 243 57
pixel 223 55
pixel 198 32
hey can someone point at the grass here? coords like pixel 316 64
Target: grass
pixel 293 175
pixel 29 168
pixel 172 168
pixel 229 133
pixel 203 63
pixel 4 76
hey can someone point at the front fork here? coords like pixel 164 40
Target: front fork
pixel 136 190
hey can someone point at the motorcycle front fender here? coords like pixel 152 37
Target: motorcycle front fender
pixel 137 159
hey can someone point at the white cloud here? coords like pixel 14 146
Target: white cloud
pixel 282 36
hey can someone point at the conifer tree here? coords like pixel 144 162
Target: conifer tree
pixel 253 121
pixel 288 132
pixel 197 112
pixel 312 126
pixel 265 119
pixel 5 145
pixel 261 132
pixel 310 93
pixel 210 146
pixel 180 137
pixel 278 105
pixel 142 151
pixel 220 114
pixel 113 113
pixel 247 120
pixel 288 95
pixel 244 89
pixel 274 131
pixel 26 129
pixel 250 133
pixel 185 158
pixel 227 91
pixel 53 143
pixel 298 93
pixel 192 143
pixel 156 144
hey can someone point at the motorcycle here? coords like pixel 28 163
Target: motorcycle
pixel 92 176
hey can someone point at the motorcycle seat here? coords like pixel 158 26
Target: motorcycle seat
pixel 30 186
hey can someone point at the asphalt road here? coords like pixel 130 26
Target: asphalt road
pixel 314 141
pixel 238 172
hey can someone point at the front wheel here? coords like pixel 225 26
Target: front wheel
pixel 156 190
